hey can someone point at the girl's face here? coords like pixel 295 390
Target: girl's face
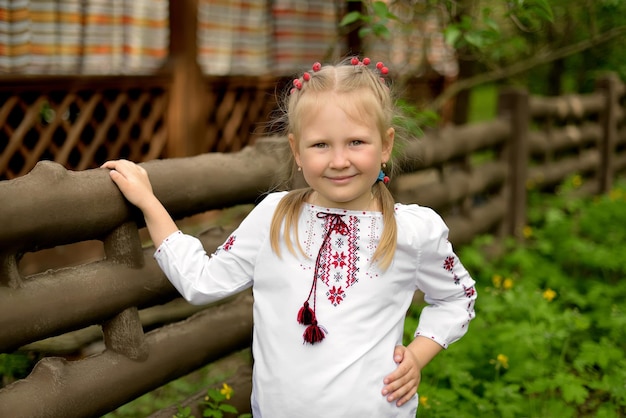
pixel 340 154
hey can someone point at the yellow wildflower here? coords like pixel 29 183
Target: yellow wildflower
pixel 527 231
pixel 496 280
pixel 503 360
pixel 549 294
pixel 424 401
pixel 615 194
pixel 508 283
pixel 226 390
pixel 577 181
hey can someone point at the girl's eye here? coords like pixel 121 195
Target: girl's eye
pixel 320 145
pixel 356 142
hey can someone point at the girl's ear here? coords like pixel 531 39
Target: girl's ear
pixel 294 149
pixel 388 144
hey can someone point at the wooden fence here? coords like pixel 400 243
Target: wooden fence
pixel 475 175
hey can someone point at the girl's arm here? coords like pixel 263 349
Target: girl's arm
pixel 134 184
pixel 450 294
pixel 424 349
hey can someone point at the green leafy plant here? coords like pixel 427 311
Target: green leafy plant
pixel 14 366
pixel 374 21
pixel 214 404
pixel 183 412
pixel 549 338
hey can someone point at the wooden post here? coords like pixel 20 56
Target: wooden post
pixel 609 87
pixel 123 333
pixel 186 116
pixel 513 105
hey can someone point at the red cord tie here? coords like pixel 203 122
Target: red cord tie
pixel 314 332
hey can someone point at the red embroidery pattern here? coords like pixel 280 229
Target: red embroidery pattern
pixel 353 249
pixel 323 268
pixel 229 243
pixel 335 295
pixel 448 263
pixel 338 258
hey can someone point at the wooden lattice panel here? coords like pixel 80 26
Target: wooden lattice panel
pixel 239 108
pixel 81 126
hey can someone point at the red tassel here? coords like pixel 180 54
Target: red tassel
pixel 313 333
pixel 305 315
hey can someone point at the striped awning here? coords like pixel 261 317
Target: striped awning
pixel 83 37
pixel 235 37
pixel 265 36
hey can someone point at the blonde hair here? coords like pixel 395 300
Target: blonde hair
pixel 364 95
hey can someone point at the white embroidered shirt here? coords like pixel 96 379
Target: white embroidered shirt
pixel 361 308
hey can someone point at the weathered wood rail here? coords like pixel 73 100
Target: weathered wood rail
pixel 475 175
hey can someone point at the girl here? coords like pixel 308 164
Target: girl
pixel 333 266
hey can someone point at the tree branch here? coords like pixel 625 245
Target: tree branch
pixel 517 68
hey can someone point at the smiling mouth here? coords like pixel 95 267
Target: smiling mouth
pixel 340 179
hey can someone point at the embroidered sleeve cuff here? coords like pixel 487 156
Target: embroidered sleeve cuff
pixel 435 338
pixel 171 238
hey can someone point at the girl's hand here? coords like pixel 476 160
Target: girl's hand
pixel 132 181
pixel 401 385
pixel 134 184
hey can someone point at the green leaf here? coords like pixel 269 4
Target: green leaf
pixel 475 39
pixel 228 408
pixel 183 412
pixel 543 10
pixel 381 10
pixel 364 31
pixel 575 393
pixel 381 31
pixel 212 413
pixel 216 395
pixel 351 18
pixel 452 34
pixel 492 25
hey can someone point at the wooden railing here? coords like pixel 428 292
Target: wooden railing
pixel 476 176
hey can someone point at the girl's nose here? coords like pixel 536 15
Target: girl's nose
pixel 339 160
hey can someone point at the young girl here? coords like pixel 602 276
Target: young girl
pixel 333 266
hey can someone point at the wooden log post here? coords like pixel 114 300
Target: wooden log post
pixel 609 87
pixel 123 333
pixel 186 116
pixel 513 105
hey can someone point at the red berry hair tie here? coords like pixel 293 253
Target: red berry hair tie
pixel 297 83
pixel 358 65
